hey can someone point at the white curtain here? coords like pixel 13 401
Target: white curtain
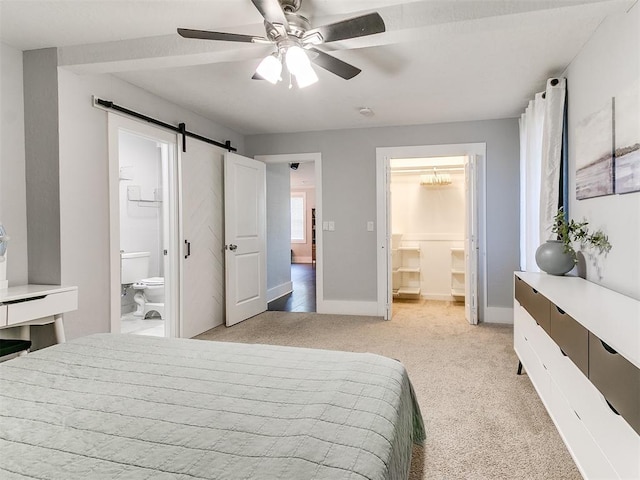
pixel 551 154
pixel 531 126
pixel 540 163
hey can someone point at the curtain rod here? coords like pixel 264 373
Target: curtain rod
pixel 181 128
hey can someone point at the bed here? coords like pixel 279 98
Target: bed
pixel 134 407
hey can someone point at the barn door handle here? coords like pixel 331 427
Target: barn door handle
pixel 188 245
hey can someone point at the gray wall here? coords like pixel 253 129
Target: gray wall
pixel 607 66
pixel 349 197
pixel 13 200
pixel 84 182
pixel 42 164
pixel 278 225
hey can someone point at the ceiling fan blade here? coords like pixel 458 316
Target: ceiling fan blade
pixel 354 27
pixel 227 37
pixel 332 64
pixel 272 12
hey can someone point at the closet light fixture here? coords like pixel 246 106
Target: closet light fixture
pixel 435 179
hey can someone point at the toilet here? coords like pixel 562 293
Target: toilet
pixel 149 296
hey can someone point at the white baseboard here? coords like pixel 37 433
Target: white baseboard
pixel 498 315
pixel 302 259
pixel 279 291
pixel 346 307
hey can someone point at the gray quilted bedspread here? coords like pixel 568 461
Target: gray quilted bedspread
pixel 132 407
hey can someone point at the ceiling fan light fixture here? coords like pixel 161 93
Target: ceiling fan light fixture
pixel 306 77
pixel 270 69
pixel 299 65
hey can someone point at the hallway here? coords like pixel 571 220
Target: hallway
pixel 303 297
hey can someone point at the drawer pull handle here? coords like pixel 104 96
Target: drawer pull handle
pixel 560 311
pixel 535 291
pixel 611 407
pixel 562 352
pixel 608 348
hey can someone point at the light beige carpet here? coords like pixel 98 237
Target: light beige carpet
pixel 482 420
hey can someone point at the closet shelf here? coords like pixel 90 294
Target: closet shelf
pixel 457 272
pixel 457 292
pixel 406 267
pixel 409 291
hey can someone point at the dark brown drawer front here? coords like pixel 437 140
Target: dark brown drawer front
pixel 571 337
pixel 617 379
pixel 533 302
pixel 520 290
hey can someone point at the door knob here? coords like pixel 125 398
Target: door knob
pixel 232 247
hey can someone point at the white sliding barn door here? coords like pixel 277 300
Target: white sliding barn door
pixel 245 237
pixel 471 241
pixel 202 258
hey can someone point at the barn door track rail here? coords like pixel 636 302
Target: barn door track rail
pixel 181 128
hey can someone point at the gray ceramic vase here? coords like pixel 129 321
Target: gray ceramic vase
pixel 551 258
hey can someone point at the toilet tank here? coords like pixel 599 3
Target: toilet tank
pixel 134 266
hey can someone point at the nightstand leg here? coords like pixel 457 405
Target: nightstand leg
pixel 59 328
pixel 519 368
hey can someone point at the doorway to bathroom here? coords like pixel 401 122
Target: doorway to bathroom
pixel 142 219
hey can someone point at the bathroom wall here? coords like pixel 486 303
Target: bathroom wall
pixel 433 218
pixel 141 221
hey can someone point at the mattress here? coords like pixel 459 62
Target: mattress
pixel 134 407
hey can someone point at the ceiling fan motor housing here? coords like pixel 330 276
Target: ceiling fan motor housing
pixel 298 24
pixel 290 6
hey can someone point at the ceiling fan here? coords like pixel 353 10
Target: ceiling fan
pixel 296 41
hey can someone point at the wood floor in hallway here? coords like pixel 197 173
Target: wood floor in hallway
pixel 303 297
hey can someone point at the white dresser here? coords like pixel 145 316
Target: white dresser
pixel 580 346
pixel 25 305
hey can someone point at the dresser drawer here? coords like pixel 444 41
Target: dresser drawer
pixel 571 337
pixel 533 366
pixel 617 379
pixel 533 302
pixel 589 458
pixel 41 307
pixel 3 315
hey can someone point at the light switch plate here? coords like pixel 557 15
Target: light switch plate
pixel 369 226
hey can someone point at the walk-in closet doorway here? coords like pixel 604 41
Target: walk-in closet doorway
pixel 431 235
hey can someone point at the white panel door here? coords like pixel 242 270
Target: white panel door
pixel 471 241
pixel 202 286
pixel 245 237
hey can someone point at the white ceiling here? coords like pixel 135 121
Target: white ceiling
pixel 304 176
pixel 439 61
